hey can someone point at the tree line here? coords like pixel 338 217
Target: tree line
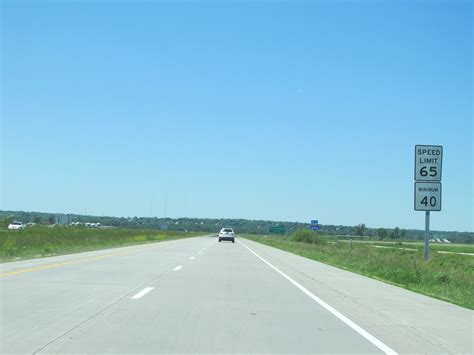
pixel 241 226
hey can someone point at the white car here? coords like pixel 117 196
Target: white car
pixel 227 234
pixel 16 225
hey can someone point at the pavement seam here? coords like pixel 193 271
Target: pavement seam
pixel 83 322
pixel 127 295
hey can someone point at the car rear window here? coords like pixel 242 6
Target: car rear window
pixel 227 230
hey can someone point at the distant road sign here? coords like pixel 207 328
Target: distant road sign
pixel 277 230
pixel 428 162
pixel 315 225
pixel 427 196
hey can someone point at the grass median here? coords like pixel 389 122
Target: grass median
pixel 39 242
pixel 448 277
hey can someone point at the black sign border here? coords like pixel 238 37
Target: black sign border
pixel 440 194
pixel 441 165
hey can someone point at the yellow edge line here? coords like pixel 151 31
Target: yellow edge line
pixel 44 267
pixel 51 266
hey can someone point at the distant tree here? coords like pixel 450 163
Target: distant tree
pixel 51 219
pixel 37 220
pixel 360 230
pixel 403 233
pixel 382 233
pixel 369 233
pixel 395 233
pixel 6 221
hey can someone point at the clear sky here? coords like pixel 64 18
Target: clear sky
pixel 260 110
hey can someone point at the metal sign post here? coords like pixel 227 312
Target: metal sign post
pixel 315 227
pixel 427 235
pixel 428 165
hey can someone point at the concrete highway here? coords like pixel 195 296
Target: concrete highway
pixel 199 296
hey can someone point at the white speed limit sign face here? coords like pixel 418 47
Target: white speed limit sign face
pixel 427 196
pixel 428 162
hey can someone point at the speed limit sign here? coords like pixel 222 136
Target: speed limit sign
pixel 428 162
pixel 428 165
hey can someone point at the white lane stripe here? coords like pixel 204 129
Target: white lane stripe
pixel 204 248
pixel 199 252
pixel 385 348
pixel 142 293
pixel 191 258
pixel 177 268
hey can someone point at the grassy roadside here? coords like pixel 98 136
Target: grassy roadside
pixel 448 277
pixel 454 248
pixel 44 241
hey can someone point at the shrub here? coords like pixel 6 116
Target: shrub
pixel 10 246
pixel 304 235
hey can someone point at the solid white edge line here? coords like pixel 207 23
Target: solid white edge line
pixel 385 348
pixel 191 258
pixel 142 293
pixel 177 268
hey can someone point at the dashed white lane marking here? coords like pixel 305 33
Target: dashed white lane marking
pixel 191 258
pixel 385 348
pixel 177 268
pixel 142 293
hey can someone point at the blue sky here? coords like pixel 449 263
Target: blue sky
pixel 260 110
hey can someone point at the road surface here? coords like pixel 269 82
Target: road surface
pixel 199 296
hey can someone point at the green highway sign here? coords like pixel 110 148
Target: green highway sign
pixel 277 230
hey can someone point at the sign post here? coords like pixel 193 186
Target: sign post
pixel 315 227
pixel 427 235
pixel 428 168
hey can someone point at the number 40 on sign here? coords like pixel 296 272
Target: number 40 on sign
pixel 427 196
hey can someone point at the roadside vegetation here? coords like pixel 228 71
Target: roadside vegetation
pixel 449 277
pixel 453 248
pixel 42 241
pixel 241 226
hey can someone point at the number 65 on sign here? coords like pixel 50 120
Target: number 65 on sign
pixel 428 162
pixel 427 196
